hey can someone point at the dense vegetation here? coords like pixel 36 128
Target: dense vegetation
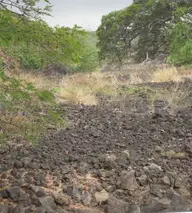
pixel 25 112
pixel 148 27
pixel 27 42
pixel 33 44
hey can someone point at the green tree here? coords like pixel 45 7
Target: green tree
pixel 143 27
pixel 37 45
pixel 181 45
pixel 25 8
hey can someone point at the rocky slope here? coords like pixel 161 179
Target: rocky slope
pixel 110 159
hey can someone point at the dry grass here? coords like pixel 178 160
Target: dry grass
pixel 166 75
pixel 77 95
pixel 176 96
pixel 83 88
pixel 40 81
pixel 95 82
pixel 173 154
pixel 13 123
pixel 135 78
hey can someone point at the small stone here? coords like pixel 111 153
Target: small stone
pixel 106 173
pixel 179 203
pixel 14 173
pixel 34 165
pixel 166 181
pixel 156 191
pixel 65 170
pixel 4 209
pixel 172 177
pixel 16 210
pixel 40 210
pixel 184 191
pixel 26 161
pixel 83 167
pixel 159 149
pixel 4 194
pixel 110 188
pixel 44 166
pixel 69 190
pixel 14 192
pixel 134 208
pixel 188 148
pixel 38 190
pixel 178 183
pixel 18 164
pixel 96 165
pixel 142 180
pixel 117 206
pixel 76 194
pixel 154 170
pixel 41 193
pixel 101 196
pixel 124 157
pixel 127 180
pixel 48 204
pixel 61 199
pixel 127 154
pixel 110 162
pixel 155 205
pixel 85 210
pixel 101 158
pixel 86 198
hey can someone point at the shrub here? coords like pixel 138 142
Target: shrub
pixel 25 112
pixel 181 46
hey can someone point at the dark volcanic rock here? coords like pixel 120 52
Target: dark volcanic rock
pixel 119 150
pixel 16 210
pixel 156 205
pixel 116 205
pixel 127 180
pixel 14 192
pixel 4 209
pixel 48 204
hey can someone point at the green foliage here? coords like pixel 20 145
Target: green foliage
pixel 89 55
pixel 143 27
pixel 36 45
pixel 25 112
pixel 28 42
pixel 25 8
pixel 181 46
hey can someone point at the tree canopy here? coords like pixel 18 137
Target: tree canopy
pixel 29 43
pixel 36 45
pixel 144 27
pixel 25 8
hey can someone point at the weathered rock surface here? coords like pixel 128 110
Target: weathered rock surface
pixel 111 159
pixel 127 180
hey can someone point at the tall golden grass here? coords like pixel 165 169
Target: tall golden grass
pixel 170 74
pixel 83 88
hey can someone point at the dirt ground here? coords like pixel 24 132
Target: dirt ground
pixel 121 156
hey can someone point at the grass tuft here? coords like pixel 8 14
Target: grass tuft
pixel 77 95
pixel 166 75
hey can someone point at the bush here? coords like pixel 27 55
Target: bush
pixel 37 45
pixel 25 112
pixel 181 46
